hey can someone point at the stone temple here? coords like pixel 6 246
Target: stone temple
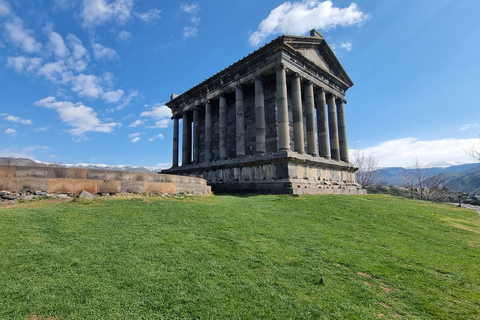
pixel 273 122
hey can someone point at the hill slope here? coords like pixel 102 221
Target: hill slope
pixel 225 257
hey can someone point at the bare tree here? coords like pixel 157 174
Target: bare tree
pixel 408 178
pixel 369 173
pixel 423 183
pixel 474 151
pixel 8 161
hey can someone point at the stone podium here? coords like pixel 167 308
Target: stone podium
pixel 273 122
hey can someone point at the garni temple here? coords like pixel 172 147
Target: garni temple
pixel 273 123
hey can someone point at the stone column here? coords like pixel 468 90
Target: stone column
pixel 175 142
pixel 312 148
pixel 196 133
pixel 342 130
pixel 208 131
pixel 333 126
pixel 186 140
pixel 322 125
pixel 240 122
pixel 282 110
pixel 223 127
pixel 298 140
pixel 260 146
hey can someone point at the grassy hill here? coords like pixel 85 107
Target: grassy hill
pixel 225 257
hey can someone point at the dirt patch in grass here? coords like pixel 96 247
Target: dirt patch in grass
pixel 364 275
pixel 36 316
pixel 30 204
pixel 384 305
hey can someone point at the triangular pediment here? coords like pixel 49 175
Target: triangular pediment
pixel 315 49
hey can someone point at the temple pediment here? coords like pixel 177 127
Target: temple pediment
pixel 316 50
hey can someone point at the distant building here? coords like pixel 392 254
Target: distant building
pixel 273 122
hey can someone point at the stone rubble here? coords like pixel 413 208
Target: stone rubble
pixel 13 197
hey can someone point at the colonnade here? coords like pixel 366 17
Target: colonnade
pixel 326 134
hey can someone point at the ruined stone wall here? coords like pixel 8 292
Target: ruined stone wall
pixel 74 180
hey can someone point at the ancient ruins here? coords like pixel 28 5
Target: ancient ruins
pixel 273 122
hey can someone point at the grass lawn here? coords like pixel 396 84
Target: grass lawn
pixel 226 257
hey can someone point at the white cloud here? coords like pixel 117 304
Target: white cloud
pixel 56 72
pixel 58 45
pixel 402 152
pixel 127 99
pixel 64 4
pixel 469 126
pixel 300 17
pixel 347 46
pixel 4 8
pixel 149 16
pixel 191 9
pixel 17 34
pixel 156 137
pixel 113 96
pixel 97 12
pixel 82 118
pixel 189 32
pixel 134 137
pixel 136 123
pixel 124 36
pixel 22 63
pixel 100 52
pixel 11 132
pixel 17 119
pixel 79 51
pixel 87 86
pixel 160 113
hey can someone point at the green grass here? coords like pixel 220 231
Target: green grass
pixel 225 257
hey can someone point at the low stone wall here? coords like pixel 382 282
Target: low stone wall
pixel 74 180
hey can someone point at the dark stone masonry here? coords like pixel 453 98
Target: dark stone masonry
pixel 273 122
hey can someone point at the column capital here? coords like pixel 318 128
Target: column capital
pixel 330 95
pixel 259 77
pixel 281 66
pixel 239 85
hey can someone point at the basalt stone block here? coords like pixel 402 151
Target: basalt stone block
pixel 107 186
pixel 77 173
pixel 87 185
pixel 31 184
pixel 61 186
pixel 9 184
pixel 7 171
pixel 138 176
pixel 57 173
pixel 107 175
pixel 158 187
pixel 132 186
pixel 166 178
pixel 31 172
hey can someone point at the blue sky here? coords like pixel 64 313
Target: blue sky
pixel 85 81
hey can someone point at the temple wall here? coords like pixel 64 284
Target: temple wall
pixel 74 180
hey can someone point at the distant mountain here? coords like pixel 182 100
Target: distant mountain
pixel 28 162
pixel 460 178
pixel 464 181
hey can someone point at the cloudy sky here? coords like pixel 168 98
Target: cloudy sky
pixel 85 81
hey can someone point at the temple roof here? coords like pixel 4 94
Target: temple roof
pixel 312 52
